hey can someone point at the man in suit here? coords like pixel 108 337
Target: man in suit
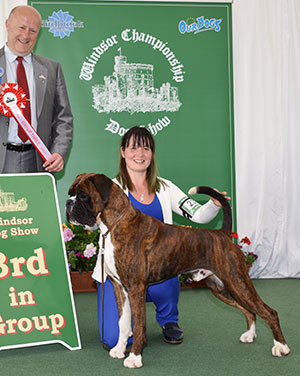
pixel 50 109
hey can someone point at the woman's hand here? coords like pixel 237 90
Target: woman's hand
pixel 217 202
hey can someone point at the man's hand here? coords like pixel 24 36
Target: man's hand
pixel 55 163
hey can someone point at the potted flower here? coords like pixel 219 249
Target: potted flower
pixel 186 280
pixel 82 249
pixel 243 244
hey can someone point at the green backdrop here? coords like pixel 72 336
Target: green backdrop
pixel 167 66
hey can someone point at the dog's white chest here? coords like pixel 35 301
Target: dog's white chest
pixel 108 253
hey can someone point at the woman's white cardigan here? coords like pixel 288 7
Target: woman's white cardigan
pixel 170 198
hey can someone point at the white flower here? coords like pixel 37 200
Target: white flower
pixel 90 250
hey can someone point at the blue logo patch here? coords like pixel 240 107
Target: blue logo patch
pixel 199 25
pixel 61 24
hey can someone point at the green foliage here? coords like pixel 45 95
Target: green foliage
pixel 81 246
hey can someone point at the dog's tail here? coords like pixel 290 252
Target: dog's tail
pixel 227 215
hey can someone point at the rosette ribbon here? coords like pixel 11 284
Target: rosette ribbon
pixel 12 103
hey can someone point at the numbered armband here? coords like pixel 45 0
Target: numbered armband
pixel 188 207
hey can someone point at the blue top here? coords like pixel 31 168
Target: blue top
pixel 154 209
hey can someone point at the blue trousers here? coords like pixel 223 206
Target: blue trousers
pixel 164 295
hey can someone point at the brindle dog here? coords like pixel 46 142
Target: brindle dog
pixel 140 250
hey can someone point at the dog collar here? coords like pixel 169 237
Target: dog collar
pixel 112 226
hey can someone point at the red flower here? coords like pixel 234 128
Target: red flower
pixel 250 257
pixel 246 240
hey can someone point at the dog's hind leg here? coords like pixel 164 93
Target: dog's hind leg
pixel 270 316
pixel 124 321
pixel 217 288
pixel 245 295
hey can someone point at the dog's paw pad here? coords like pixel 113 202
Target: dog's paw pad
pixel 133 361
pixel 116 353
pixel 280 349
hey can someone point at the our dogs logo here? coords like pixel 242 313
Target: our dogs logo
pixel 199 24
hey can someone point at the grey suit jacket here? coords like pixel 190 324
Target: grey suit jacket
pixel 54 117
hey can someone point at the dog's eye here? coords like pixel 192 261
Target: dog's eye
pixel 83 196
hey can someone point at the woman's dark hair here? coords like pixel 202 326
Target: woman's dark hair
pixel 140 137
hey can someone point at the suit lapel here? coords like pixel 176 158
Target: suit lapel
pixel 3 65
pixel 40 77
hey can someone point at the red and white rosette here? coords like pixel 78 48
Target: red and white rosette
pixel 12 103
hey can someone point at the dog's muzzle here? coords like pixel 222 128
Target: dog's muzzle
pixel 69 206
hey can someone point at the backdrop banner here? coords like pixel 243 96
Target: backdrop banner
pixel 36 298
pixel 165 66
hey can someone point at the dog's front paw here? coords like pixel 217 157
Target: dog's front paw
pixel 117 353
pixel 280 349
pixel 133 361
pixel 250 335
pixel 247 337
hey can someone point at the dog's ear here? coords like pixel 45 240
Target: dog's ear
pixel 72 189
pixel 103 185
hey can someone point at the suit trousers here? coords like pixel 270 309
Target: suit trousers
pixel 17 162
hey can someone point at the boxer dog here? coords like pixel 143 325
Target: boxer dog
pixel 140 250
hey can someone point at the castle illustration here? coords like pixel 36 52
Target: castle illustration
pixel 9 204
pixel 131 88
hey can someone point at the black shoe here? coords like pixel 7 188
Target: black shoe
pixel 172 333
